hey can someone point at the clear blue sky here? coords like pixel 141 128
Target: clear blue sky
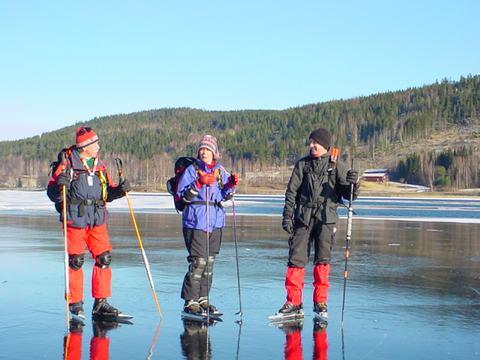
pixel 67 61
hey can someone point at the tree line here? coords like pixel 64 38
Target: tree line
pixel 371 128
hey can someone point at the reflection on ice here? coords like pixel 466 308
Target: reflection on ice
pixel 407 285
pixel 293 349
pixel 194 340
pixel 99 343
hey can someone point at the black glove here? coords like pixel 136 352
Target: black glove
pixel 228 197
pixel 352 176
pixel 64 179
pixel 287 224
pixel 125 186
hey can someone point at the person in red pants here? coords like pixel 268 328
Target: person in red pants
pixel 316 187
pixel 320 341
pixel 99 343
pixel 293 349
pixel 89 188
pixel 72 342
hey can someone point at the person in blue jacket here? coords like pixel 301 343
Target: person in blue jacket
pixel 205 177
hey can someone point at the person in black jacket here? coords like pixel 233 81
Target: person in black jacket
pixel 316 187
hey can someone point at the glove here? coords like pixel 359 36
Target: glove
pixel 64 179
pixel 287 224
pixel 352 176
pixel 233 181
pixel 125 186
pixel 207 179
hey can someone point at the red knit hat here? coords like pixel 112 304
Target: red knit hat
pixel 209 142
pixel 85 136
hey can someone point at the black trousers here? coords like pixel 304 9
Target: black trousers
pixel 198 280
pixel 321 235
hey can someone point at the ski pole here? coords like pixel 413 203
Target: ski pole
pixel 154 342
pixel 207 215
pixel 239 322
pixel 65 245
pixel 66 346
pixel 238 339
pixel 347 243
pixel 119 164
pixel 240 312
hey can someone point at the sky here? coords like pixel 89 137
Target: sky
pixel 63 62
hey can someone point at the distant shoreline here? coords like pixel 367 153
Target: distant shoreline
pixel 466 194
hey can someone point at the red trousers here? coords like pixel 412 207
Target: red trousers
pixel 293 345
pixel 99 347
pixel 97 241
pixel 320 347
pixel 72 346
pixel 294 281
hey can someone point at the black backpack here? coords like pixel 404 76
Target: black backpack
pixel 181 165
pixel 62 155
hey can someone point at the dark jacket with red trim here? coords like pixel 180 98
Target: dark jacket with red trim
pixel 86 198
pixel 315 188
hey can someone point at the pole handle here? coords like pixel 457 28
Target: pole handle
pixel 119 164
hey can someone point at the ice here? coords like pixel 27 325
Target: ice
pixel 18 200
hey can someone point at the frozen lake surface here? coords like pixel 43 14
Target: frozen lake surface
pixel 413 291
pixel 464 210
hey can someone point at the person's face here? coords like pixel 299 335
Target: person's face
pixel 91 150
pixel 205 155
pixel 316 150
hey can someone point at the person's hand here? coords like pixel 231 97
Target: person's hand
pixel 63 179
pixel 125 186
pixel 352 176
pixel 207 179
pixel 287 224
pixel 233 181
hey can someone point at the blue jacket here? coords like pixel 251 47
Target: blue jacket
pixel 195 214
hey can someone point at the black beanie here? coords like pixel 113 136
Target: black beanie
pixel 321 136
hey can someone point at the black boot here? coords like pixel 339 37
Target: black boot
pixel 289 309
pixel 319 326
pixel 75 326
pixel 291 327
pixel 209 307
pixel 321 310
pixel 192 327
pixel 77 309
pixel 192 307
pixel 101 327
pixel 101 308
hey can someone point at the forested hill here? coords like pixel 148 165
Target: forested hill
pixel 428 135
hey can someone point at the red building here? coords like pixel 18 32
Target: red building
pixel 376 175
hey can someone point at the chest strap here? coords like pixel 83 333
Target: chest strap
pixel 82 203
pixel 210 203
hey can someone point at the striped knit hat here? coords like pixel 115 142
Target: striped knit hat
pixel 209 142
pixel 85 136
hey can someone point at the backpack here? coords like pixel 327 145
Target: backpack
pixel 61 157
pixel 181 165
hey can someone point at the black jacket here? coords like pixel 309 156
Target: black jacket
pixel 315 189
